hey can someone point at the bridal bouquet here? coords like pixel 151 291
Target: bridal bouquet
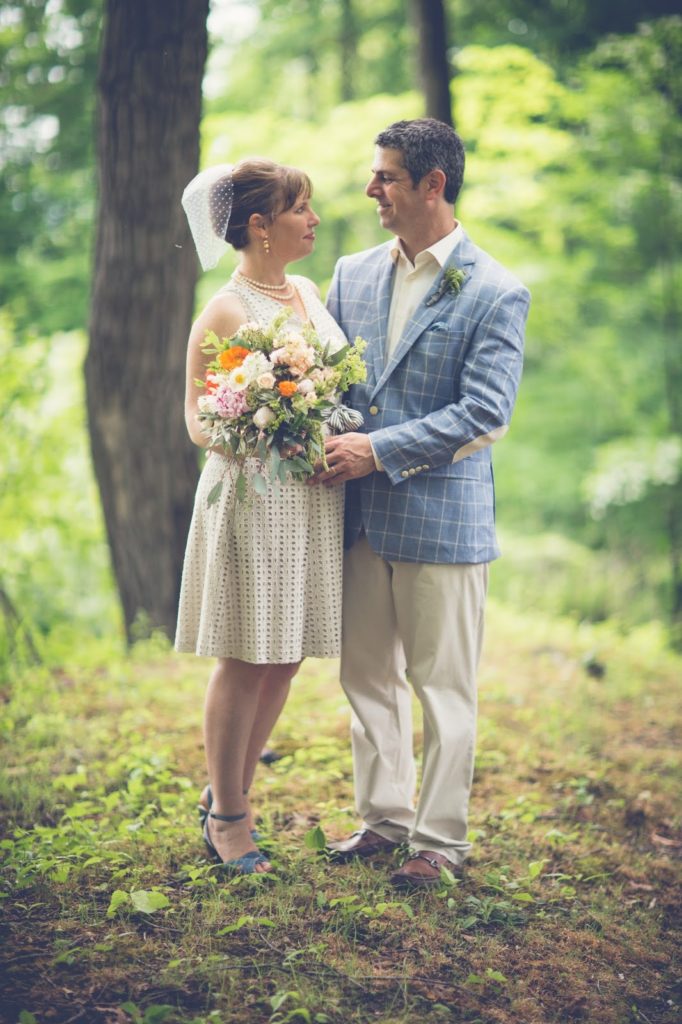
pixel 271 393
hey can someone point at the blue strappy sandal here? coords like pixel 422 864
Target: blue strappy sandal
pixel 244 865
pixel 203 813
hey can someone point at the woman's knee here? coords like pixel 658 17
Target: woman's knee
pixel 281 675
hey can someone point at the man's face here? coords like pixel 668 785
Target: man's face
pixel 399 203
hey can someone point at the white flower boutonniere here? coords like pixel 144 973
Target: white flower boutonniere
pixel 451 282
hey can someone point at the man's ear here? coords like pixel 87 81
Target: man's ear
pixel 435 183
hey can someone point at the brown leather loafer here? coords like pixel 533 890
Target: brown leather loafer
pixel 363 843
pixel 422 871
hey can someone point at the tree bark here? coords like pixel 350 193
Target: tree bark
pixel 434 70
pixel 151 68
pixel 348 49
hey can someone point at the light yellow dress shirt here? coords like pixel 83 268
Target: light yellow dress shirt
pixel 412 281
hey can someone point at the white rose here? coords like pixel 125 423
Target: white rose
pixel 263 417
pixel 255 364
pixel 305 386
pixel 266 380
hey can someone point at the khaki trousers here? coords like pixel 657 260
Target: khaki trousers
pixel 425 621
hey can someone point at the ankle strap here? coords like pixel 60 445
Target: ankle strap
pixel 227 817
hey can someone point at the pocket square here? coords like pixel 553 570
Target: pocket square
pixel 439 325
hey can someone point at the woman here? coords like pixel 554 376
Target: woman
pixel 261 585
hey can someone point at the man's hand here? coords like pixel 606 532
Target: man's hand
pixel 348 456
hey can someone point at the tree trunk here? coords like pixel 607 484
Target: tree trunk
pixel 434 70
pixel 151 69
pixel 348 50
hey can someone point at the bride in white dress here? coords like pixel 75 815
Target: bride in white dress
pixel 261 586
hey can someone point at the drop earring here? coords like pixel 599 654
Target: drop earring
pixel 266 245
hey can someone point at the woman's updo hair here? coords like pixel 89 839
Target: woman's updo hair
pixel 259 186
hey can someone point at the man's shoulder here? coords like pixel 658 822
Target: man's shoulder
pixel 490 271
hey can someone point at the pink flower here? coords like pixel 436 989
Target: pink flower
pixel 230 404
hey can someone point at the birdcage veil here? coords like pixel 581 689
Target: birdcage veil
pixel 207 202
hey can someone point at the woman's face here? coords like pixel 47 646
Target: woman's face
pixel 292 233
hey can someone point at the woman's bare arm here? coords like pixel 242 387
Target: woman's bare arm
pixel 224 314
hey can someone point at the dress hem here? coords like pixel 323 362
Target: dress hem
pixel 250 659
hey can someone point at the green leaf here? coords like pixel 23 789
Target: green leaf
pixel 300 464
pixel 447 877
pixel 281 997
pixel 27 1018
pixel 300 1013
pixel 157 1013
pixel 495 976
pixel 338 356
pixel 260 485
pixel 240 487
pixel 315 839
pixel 118 899
pixel 343 901
pixel 147 901
pixel 214 493
pixel 523 897
pixel 247 919
pixel 275 459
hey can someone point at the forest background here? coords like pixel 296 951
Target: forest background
pixel 570 111
pixel 570 115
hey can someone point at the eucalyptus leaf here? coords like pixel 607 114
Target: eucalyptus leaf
pixel 259 484
pixel 214 493
pixel 336 357
pixel 275 459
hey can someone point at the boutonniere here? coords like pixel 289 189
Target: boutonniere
pixel 451 282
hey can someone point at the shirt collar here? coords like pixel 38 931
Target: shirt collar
pixel 440 250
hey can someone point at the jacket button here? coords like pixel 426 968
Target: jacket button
pixel 373 410
pixel 412 471
pixel 404 473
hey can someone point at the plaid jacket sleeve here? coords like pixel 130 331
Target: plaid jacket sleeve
pixel 489 380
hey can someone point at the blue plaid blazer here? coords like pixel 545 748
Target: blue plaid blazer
pixel 448 390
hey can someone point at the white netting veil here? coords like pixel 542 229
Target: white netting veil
pixel 207 201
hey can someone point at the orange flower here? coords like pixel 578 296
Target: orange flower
pixel 287 388
pixel 233 357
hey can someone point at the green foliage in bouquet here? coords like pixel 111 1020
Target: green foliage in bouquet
pixel 267 394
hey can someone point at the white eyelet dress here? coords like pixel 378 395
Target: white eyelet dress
pixel 262 580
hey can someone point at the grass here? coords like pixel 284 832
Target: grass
pixel 567 911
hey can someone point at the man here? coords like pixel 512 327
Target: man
pixel 444 325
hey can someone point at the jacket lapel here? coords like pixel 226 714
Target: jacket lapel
pixel 462 256
pixel 376 344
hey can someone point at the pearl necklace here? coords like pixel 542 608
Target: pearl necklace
pixel 273 291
